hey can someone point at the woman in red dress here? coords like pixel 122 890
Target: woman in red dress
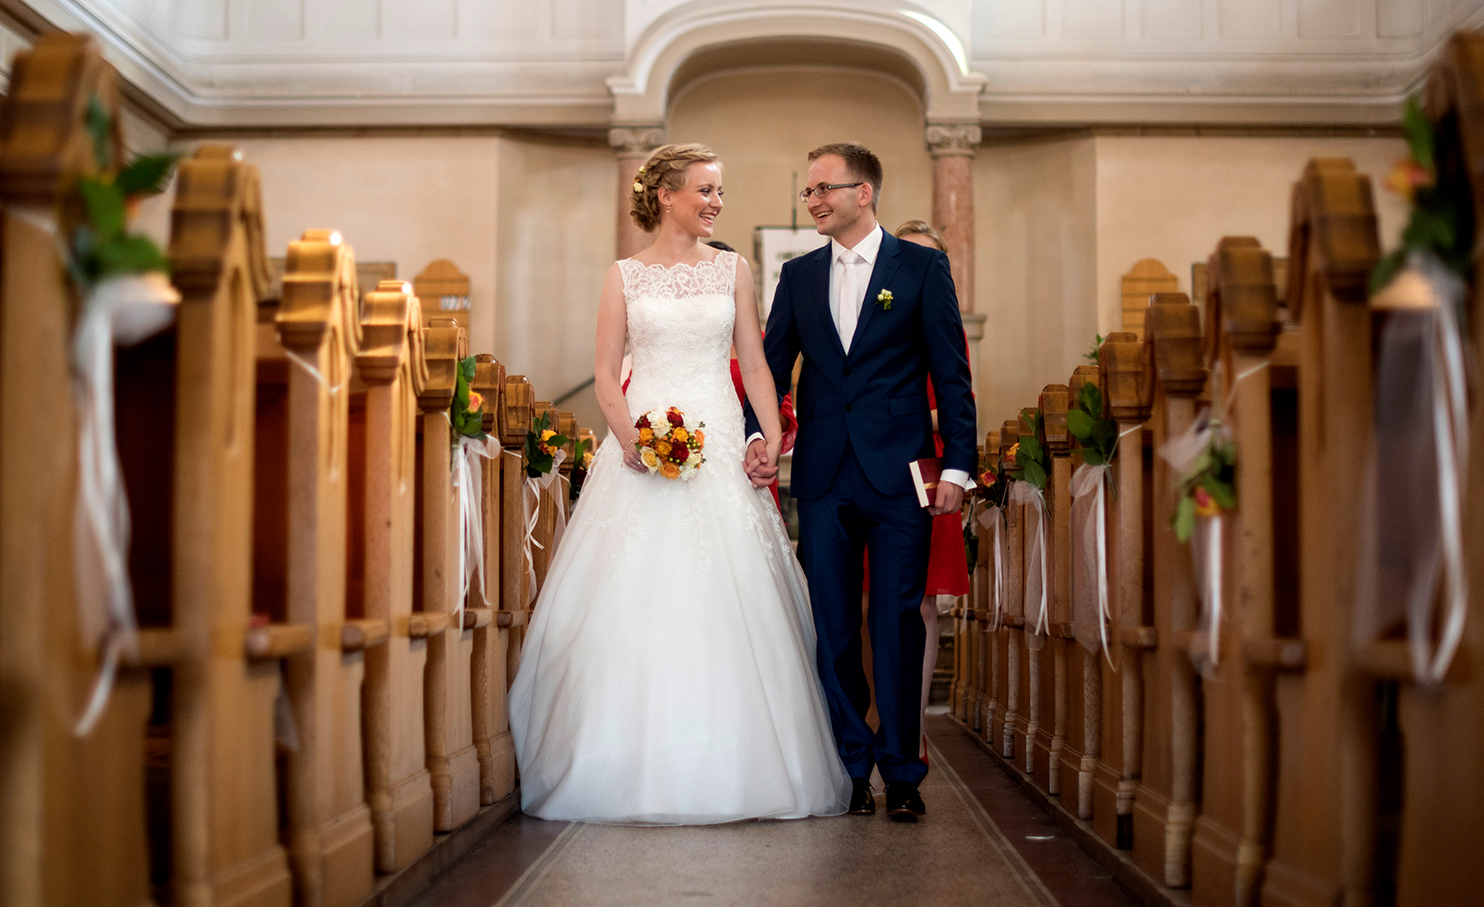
pixel 948 566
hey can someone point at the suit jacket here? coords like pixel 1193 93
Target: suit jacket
pixel 876 396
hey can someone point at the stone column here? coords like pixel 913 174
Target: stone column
pixel 952 147
pixel 633 145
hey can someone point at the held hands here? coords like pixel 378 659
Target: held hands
pixel 761 462
pixel 948 499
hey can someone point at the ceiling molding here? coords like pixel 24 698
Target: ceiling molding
pixel 647 50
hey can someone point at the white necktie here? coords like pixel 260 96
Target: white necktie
pixel 848 304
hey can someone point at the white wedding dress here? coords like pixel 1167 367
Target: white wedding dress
pixel 668 671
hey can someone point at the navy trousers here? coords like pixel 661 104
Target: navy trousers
pixel 834 531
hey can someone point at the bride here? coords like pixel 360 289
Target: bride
pixel 668 672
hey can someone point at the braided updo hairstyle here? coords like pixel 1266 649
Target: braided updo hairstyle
pixel 665 167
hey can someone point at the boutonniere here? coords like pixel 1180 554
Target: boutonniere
pixel 884 299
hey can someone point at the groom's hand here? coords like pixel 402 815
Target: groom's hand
pixel 759 470
pixel 949 499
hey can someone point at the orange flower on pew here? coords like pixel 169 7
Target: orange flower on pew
pixel 1205 505
pixel 545 445
pixel 476 401
pixel 1407 176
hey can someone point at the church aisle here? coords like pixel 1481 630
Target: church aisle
pixel 983 843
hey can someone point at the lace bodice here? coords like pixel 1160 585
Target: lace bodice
pixel 680 323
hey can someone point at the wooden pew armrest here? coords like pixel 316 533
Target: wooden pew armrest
pixel 1014 621
pixel 277 641
pixel 505 619
pixel 1061 630
pixel 359 635
pixel 1391 659
pixel 1143 638
pixel 969 614
pixel 474 618
pixel 159 647
pixel 422 624
pixel 1288 655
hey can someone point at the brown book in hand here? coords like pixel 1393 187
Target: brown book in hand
pixel 926 474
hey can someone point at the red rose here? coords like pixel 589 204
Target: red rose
pixel 680 453
pixel 643 421
pixel 676 417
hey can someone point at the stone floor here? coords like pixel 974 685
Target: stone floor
pixel 983 842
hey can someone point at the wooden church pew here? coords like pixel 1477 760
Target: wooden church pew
pixel 989 601
pixel 65 801
pixel 1009 642
pixel 1242 331
pixel 1051 738
pixel 1080 716
pixel 517 590
pixel 1124 367
pixel 1443 779
pixel 300 530
pixel 383 483
pixel 452 759
pixel 1165 799
pixel 488 678
pixel 1324 821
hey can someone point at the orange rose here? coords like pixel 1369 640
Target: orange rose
pixel 1406 177
pixel 646 435
pixel 1205 505
pixel 670 470
pixel 700 439
pixel 662 448
pixel 679 435
pixel 476 400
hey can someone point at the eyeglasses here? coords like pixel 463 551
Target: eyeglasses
pixel 824 189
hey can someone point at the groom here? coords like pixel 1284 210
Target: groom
pixel 873 318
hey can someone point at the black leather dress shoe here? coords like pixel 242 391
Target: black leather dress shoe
pixel 903 802
pixel 861 801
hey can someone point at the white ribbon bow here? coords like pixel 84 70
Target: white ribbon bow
pixel 1026 493
pixel 993 519
pixel 124 311
pixel 531 506
pixel 468 478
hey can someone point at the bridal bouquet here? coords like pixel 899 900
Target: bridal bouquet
pixel 667 446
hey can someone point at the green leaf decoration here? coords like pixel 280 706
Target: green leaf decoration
pixel 1034 474
pixel 1184 519
pixel 147 174
pixel 1080 424
pixel 130 255
pixel 100 130
pixel 105 206
pixel 1092 457
pixel 1419 134
pixel 1031 448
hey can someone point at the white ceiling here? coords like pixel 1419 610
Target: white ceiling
pixel 578 63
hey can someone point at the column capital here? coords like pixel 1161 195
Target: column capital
pixel 636 141
pixel 952 139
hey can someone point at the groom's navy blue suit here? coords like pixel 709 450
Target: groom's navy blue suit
pixel 863 417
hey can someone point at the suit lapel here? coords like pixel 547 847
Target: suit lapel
pixel 823 310
pixel 886 266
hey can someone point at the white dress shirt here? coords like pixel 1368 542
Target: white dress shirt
pixel 867 251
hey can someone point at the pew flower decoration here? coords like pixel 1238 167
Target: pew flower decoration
pixel 1095 354
pixel 122 281
pixel 1097 437
pixel 668 446
pixel 543 445
pixel 583 457
pixel 467 410
pixel 1207 488
pixel 1097 440
pixel 1032 465
pixel 1438 192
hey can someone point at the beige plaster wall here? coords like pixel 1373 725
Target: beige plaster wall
pixel 1035 231
pixel 1173 198
pixel 764 123
pixel 530 223
pixel 556 213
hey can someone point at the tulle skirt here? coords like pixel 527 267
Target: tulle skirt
pixel 668 671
